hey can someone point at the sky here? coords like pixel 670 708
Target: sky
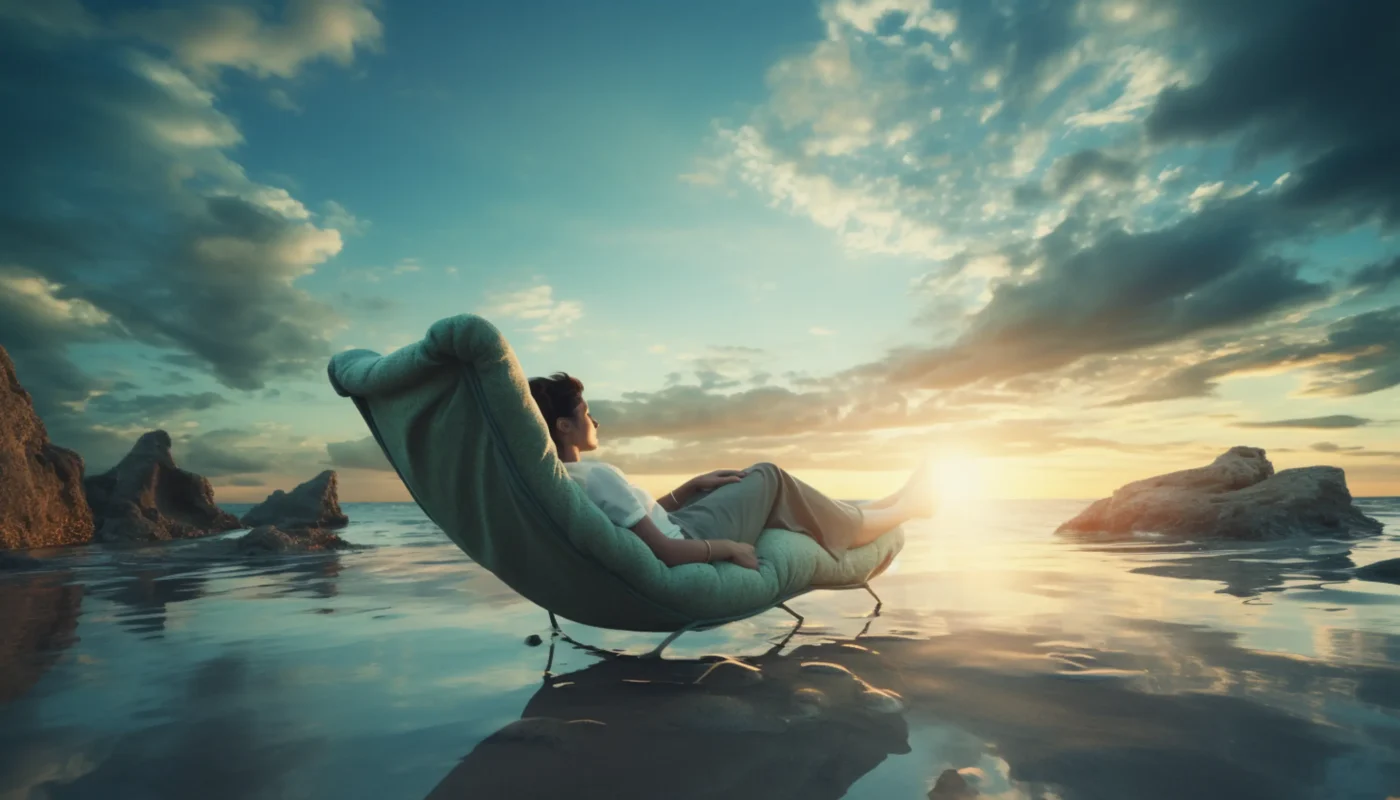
pixel 1056 246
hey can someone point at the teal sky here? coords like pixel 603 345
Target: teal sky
pixel 1063 244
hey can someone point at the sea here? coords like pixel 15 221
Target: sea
pixel 1003 662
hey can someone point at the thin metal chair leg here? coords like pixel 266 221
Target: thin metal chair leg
pixel 878 601
pixel 549 664
pixel 554 623
pixel 777 648
pixel 674 635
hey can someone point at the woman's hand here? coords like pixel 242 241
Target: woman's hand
pixel 738 552
pixel 713 480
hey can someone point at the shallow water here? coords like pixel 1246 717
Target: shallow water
pixel 1039 667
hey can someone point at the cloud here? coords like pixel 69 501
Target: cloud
pixel 264 447
pixel 371 304
pixel 153 408
pixel 548 318
pixel 358 454
pixel 1377 277
pixel 1119 292
pixel 1075 169
pixel 1352 356
pixel 338 217
pixel 281 99
pixel 215 463
pixel 62 17
pixel 1332 115
pixel 124 221
pixel 209 36
pixel 1329 447
pixel 1328 422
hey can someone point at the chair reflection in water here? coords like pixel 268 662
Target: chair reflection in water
pixel 804 724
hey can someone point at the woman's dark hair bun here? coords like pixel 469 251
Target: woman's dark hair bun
pixel 556 396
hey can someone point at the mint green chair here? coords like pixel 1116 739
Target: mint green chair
pixel 454 416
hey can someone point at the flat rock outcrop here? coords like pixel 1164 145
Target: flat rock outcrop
pixel 1387 571
pixel 145 497
pixel 41 484
pixel 269 539
pixel 313 504
pixel 1238 496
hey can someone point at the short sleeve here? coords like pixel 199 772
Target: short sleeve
pixel 613 494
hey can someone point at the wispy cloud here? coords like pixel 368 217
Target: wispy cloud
pixel 546 317
pixel 1332 421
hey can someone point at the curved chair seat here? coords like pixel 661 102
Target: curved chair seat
pixel 454 416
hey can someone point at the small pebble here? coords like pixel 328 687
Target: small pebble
pixel 533 640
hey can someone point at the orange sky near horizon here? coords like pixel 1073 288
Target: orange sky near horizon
pixel 999 478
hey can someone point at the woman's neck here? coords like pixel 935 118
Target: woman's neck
pixel 568 453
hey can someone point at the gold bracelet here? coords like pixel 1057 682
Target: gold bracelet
pixel 708 550
pixel 673 498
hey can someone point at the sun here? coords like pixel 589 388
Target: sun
pixel 957 476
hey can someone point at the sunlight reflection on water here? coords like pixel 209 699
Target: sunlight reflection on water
pixel 1039 667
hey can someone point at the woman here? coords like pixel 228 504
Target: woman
pixel 719 515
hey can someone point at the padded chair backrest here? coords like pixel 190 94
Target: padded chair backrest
pixel 454 416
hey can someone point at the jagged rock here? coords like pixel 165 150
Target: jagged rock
pixel 41 484
pixel 1237 497
pixel 145 497
pixel 1387 571
pixel 952 785
pixel 269 539
pixel 313 504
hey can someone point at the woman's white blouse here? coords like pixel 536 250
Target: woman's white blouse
pixel 624 502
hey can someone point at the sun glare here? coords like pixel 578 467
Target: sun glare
pixel 957 477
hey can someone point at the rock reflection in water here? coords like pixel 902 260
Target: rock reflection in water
pixel 39 621
pixel 1244 570
pixel 806 724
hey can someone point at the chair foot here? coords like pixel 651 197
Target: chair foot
pixel 777 648
pixel 549 663
pixel 554 623
pixel 784 606
pixel 878 601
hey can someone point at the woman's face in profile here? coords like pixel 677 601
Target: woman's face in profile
pixel 586 427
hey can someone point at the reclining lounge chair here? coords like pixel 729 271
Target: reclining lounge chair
pixel 454 416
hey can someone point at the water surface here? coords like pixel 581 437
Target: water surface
pixel 1038 667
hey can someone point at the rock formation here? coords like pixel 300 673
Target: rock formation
pixel 313 504
pixel 146 497
pixel 1237 497
pixel 1387 571
pixel 41 485
pixel 951 785
pixel 269 539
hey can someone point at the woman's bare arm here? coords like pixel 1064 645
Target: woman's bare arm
pixel 673 552
pixel 677 496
